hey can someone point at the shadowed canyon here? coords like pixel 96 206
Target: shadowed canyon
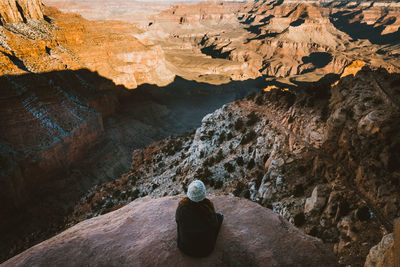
pixel 289 110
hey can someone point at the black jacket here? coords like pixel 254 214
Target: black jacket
pixel 198 227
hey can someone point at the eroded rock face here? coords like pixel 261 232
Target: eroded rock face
pixel 20 11
pixel 143 233
pixel 376 254
pixel 284 39
pixel 53 109
pixel 109 48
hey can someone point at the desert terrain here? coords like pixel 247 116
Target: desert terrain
pixel 294 105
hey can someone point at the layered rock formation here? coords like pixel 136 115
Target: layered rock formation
pixel 275 38
pixel 375 21
pixel 143 233
pixel 307 155
pixel 66 41
pixel 281 39
pixel 12 11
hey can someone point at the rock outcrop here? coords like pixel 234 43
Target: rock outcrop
pixel 377 253
pixel 143 233
pixel 387 251
pixel 12 11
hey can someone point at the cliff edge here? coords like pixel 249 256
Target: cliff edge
pixel 143 233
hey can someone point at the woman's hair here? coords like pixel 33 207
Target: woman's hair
pixel 206 207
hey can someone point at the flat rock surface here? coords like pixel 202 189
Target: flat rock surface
pixel 143 233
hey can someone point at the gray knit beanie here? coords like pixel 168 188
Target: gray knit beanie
pixel 196 191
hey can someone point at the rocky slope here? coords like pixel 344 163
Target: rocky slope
pixel 143 233
pixel 324 157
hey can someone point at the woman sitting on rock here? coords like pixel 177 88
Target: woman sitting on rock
pixel 198 224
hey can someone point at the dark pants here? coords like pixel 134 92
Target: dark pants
pixel 220 218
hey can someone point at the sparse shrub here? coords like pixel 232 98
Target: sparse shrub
pixel 208 162
pixel 116 194
pixel 219 156
pixel 239 188
pixel 218 184
pixel 221 137
pixel 251 96
pixel 252 119
pixel 248 137
pixel 184 187
pixel 172 147
pixel 259 100
pixel 229 167
pixel 239 124
pixel 204 175
pixel 259 176
pixel 239 161
pixel 109 204
pixel 135 193
pixel 251 164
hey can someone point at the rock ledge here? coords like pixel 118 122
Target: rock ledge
pixel 143 233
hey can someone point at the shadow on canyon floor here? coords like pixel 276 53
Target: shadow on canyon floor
pixel 63 132
pixel 357 30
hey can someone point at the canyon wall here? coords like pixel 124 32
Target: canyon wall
pixel 20 11
pixel 285 39
pixel 59 80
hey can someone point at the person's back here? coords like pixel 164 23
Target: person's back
pixel 198 224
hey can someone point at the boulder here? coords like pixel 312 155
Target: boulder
pixel 317 200
pixel 143 233
pixel 377 253
pixel 387 251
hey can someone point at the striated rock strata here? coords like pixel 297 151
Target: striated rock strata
pixel 12 11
